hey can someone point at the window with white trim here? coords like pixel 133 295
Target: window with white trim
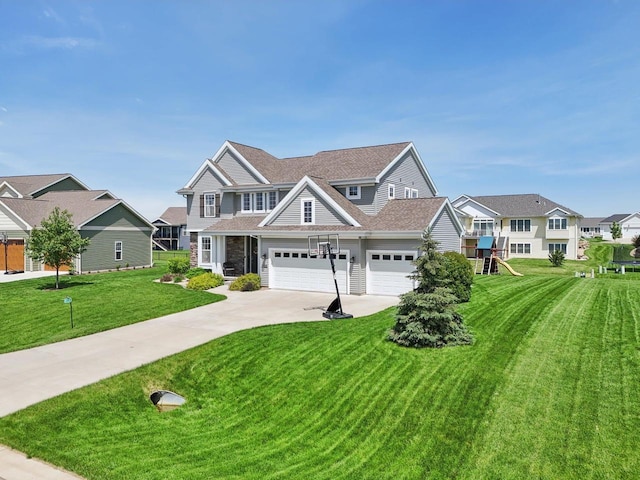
pixel 392 191
pixel 353 192
pixel 522 248
pixel 407 192
pixel 521 225
pixel 246 202
pixel 272 200
pixel 205 249
pixel 209 204
pixel 118 250
pixel 308 211
pixel 258 202
pixel 558 246
pixel 557 224
pixel 414 193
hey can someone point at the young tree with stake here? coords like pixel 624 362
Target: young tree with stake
pixel 57 242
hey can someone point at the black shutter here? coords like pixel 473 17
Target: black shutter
pixel 201 206
pixel 217 204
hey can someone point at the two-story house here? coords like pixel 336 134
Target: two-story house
pixel 119 235
pixel 249 211
pixel 171 233
pixel 524 225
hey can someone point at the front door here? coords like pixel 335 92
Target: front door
pixel 251 255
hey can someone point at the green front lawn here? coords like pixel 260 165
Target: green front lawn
pixel 34 313
pixel 549 390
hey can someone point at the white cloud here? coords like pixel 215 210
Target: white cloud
pixel 51 13
pixel 66 43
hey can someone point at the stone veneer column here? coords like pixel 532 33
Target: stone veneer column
pixel 193 249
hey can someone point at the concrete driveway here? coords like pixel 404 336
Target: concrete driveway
pixel 31 376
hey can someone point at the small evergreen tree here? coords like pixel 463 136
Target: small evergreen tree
pixel 426 317
pixel 556 258
pixel 616 231
pixel 57 242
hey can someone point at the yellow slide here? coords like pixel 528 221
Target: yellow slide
pixel 508 267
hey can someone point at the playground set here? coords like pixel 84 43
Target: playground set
pixel 489 256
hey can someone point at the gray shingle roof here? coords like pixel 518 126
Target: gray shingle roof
pixel 615 218
pixel 400 215
pixel 174 216
pixel 29 184
pixel 81 204
pixel 521 205
pixel 343 164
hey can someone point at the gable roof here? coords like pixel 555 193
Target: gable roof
pixel 29 185
pixel 520 205
pixel 324 191
pixel 618 217
pixel 83 205
pixel 173 216
pixel 349 164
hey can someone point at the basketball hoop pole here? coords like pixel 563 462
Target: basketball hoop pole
pixel 335 281
pixel 335 309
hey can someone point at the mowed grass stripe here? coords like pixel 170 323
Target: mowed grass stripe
pixel 334 400
pixel 549 421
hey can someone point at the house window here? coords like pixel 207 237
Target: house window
pixel 407 192
pixel 482 227
pixel 392 191
pixel 272 200
pixel 557 224
pixel 353 192
pixel 205 249
pixel 259 202
pixel 414 193
pixel 118 250
pixel 558 246
pixel 308 211
pixel 246 202
pixel 209 204
pixel 522 248
pixel 520 225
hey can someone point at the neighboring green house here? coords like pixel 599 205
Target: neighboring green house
pixel 120 236
pixel 248 211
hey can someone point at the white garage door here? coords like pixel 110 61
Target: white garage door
pixel 295 270
pixel 388 271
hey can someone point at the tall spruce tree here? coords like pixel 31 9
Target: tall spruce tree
pixel 427 316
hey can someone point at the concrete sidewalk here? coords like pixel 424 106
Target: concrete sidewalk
pixel 40 373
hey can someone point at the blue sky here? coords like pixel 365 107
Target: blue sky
pixel 499 97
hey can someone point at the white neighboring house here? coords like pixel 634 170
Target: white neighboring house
pixel 524 225
pixel 248 211
pixel 629 224
pixel 590 227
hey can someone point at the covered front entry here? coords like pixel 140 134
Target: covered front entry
pixel 241 255
pixel 388 272
pixel 14 255
pixel 293 269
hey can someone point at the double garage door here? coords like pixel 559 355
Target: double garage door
pixel 295 270
pixel 388 272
